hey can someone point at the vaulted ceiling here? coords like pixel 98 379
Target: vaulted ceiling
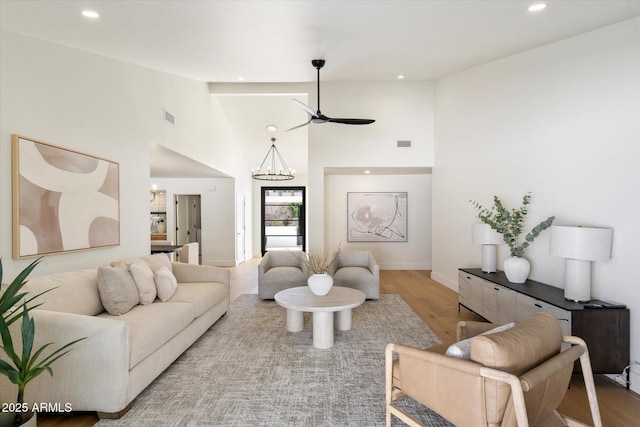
pixel 274 41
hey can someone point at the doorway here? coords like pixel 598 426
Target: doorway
pixel 283 218
pixel 188 220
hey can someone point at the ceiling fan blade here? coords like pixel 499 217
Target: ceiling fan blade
pixel 305 107
pixel 299 126
pixel 352 121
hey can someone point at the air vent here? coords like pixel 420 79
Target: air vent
pixel 404 144
pixel 169 117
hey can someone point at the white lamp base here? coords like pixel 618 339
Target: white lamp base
pixel 577 280
pixel 489 257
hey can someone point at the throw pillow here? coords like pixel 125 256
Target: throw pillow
pixel 118 291
pixel 145 282
pixel 166 283
pixel 462 349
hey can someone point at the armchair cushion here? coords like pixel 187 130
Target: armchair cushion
pixel 462 349
pixel 520 348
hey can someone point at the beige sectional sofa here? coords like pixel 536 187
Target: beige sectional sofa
pixel 124 353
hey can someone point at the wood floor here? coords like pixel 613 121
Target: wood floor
pixel 437 306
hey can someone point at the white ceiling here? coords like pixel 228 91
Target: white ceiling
pixel 274 41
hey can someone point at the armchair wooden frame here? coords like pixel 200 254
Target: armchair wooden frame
pixel 518 387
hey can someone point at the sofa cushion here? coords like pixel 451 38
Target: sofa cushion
pixel 118 290
pixel 202 296
pixel 145 282
pixel 153 325
pixel 154 261
pixel 166 283
pixel 73 292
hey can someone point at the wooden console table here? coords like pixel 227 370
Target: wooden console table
pixel 603 326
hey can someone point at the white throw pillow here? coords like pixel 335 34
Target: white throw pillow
pixel 166 283
pixel 462 349
pixel 145 281
pixel 118 291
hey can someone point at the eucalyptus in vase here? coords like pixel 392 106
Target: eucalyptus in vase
pixel 509 223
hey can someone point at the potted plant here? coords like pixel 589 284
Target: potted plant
pixel 23 365
pixel 510 223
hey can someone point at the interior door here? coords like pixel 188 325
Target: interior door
pixel 188 218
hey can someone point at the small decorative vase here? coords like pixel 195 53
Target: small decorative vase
pixel 320 284
pixel 516 269
pixel 162 227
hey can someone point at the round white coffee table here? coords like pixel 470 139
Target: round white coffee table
pixel 339 301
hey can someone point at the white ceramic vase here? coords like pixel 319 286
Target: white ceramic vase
pixel 320 284
pixel 162 227
pixel 516 269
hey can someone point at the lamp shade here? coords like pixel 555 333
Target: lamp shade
pixel 582 243
pixel 483 234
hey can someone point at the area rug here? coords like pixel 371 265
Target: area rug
pixel 247 370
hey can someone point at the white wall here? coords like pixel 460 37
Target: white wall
pixel 561 121
pixel 217 199
pixel 403 111
pixel 415 253
pixel 104 107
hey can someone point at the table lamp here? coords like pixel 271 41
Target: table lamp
pixel 579 246
pixel 484 235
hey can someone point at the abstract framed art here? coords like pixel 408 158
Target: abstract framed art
pixel 377 217
pixel 63 200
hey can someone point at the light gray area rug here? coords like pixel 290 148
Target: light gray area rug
pixel 247 370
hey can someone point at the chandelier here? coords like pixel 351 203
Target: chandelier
pixel 273 167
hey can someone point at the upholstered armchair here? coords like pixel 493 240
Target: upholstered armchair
pixel 358 270
pixel 279 270
pixel 514 378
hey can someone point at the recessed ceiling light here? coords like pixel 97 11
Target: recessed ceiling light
pixel 240 78
pixel 400 77
pixel 90 14
pixel 367 171
pixel 536 7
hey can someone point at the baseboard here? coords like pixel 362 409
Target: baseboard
pixel 634 376
pixel 444 281
pixel 411 266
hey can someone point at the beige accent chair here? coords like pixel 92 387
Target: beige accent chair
pixel 279 270
pixel 517 377
pixel 190 253
pixel 358 270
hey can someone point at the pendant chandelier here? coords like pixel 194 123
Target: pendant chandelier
pixel 273 167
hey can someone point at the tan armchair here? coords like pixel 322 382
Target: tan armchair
pixel 516 377
pixel 279 270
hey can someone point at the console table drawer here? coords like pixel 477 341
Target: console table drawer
pixel 527 307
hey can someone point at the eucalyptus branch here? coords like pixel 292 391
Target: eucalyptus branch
pixel 510 223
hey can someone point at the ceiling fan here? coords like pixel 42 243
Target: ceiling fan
pixel 317 116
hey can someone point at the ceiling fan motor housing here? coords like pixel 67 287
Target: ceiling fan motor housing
pixel 317 63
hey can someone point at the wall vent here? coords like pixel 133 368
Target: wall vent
pixel 404 144
pixel 169 117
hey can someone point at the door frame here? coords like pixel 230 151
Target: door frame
pixel 302 223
